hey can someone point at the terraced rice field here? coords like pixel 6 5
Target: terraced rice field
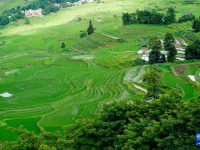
pixel 50 83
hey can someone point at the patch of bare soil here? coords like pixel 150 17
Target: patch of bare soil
pixel 125 56
pixel 181 69
pixel 177 45
pixel 144 48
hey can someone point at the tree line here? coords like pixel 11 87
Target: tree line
pixel 162 121
pixel 149 17
pixel 153 17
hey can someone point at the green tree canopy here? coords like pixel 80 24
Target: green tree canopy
pixel 193 50
pixel 197 26
pixel 90 29
pixel 155 45
pixel 170 16
pixel 153 80
pixel 4 20
pixel 63 45
pixel 169 42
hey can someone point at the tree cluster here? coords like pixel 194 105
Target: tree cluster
pixel 186 17
pixel 155 45
pixel 149 17
pixel 193 50
pixel 164 123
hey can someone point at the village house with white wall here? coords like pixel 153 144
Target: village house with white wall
pixel 34 13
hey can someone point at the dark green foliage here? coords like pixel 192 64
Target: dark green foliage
pixel 171 54
pixel 63 45
pixel 188 17
pixel 155 45
pixel 82 35
pixel 154 56
pixel 126 18
pixel 193 50
pixel 170 16
pixel 142 17
pixel 138 61
pixel 169 42
pixel 197 26
pixel 189 1
pixel 90 29
pixel 4 20
pixel 194 24
pixel 27 21
pixel 163 125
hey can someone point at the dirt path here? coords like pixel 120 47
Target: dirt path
pixel 76 49
pixel 109 36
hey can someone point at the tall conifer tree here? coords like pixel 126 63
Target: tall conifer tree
pixel 169 42
pixel 90 29
pixel 197 26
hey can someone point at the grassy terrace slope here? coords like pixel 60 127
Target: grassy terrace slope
pixel 48 83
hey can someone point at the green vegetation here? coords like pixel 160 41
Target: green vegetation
pixel 122 125
pixel 55 84
pixel 169 42
pixel 155 45
pixel 153 80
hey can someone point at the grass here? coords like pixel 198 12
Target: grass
pixel 170 80
pixel 191 71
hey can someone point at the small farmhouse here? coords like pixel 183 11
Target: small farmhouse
pixel 34 13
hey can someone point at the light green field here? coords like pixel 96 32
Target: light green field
pixel 52 87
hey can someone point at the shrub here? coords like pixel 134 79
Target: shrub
pixel 138 61
pixel 82 35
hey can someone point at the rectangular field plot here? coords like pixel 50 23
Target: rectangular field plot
pixel 60 118
pixel 28 123
pixel 170 80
